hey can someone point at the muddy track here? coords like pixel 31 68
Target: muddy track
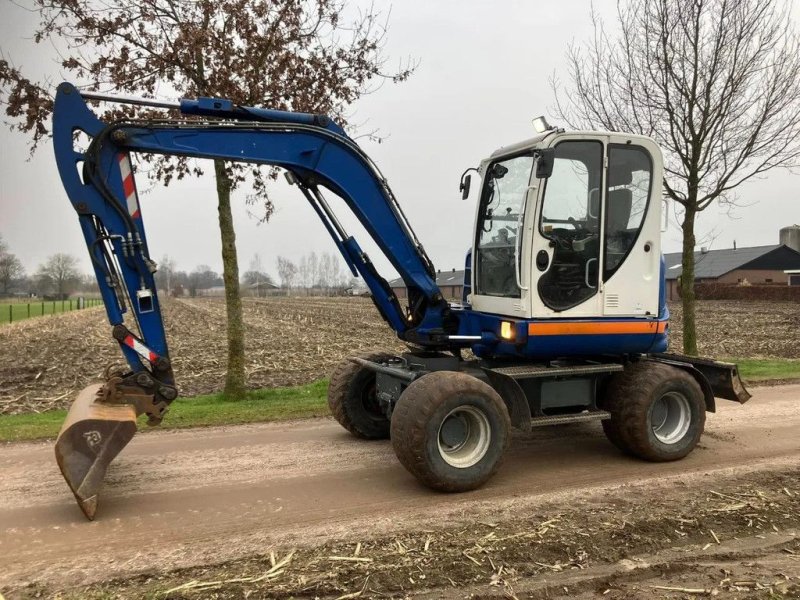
pixel 179 499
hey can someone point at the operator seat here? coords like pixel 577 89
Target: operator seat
pixel 618 237
pixel 619 210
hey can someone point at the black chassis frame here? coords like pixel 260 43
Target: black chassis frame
pixel 520 384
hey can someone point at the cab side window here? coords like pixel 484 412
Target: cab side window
pixel 630 171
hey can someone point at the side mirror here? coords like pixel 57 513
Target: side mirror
pixel 544 165
pixel 464 186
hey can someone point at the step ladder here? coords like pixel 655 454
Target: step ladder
pixel 594 415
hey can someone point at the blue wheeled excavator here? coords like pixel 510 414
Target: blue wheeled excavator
pixel 564 310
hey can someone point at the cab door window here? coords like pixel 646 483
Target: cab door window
pixel 630 175
pixel 500 225
pixel 570 220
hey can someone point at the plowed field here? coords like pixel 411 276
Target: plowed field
pixel 289 341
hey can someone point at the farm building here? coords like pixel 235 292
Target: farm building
pixel 758 266
pixel 450 282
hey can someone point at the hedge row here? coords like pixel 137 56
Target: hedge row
pixel 775 293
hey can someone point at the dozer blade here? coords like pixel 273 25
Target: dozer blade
pixel 723 377
pixel 90 438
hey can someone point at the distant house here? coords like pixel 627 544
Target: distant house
pixel 759 265
pixel 260 289
pixel 450 282
pixel 215 291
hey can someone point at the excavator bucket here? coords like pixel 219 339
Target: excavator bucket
pixel 90 438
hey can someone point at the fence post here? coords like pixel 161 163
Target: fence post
pixel 29 310
pixel 10 306
pixel 54 307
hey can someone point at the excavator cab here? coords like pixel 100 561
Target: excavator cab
pixel 580 239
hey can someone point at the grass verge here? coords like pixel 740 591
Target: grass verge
pixel 11 312
pixel 201 411
pixel 291 403
pixel 754 370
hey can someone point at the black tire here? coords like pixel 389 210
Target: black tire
pixel 658 412
pixel 477 427
pixel 352 400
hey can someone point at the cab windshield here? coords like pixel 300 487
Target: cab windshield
pixel 499 224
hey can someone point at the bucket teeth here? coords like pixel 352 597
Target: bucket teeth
pixel 88 506
pixel 90 438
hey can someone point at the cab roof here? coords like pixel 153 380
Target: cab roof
pixel 538 139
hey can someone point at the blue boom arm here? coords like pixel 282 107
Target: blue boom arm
pixel 311 148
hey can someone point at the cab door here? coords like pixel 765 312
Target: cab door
pixel 568 235
pixel 499 254
pixel 632 229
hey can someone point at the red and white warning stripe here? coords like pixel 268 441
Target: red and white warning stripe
pixel 128 185
pixel 140 348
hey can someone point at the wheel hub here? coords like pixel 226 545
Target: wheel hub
pixel 369 400
pixel 455 430
pixel 464 437
pixel 670 417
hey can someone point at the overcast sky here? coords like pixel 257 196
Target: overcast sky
pixel 483 75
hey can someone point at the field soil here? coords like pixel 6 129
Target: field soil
pixel 741 329
pixel 44 362
pixel 305 510
pixel 289 341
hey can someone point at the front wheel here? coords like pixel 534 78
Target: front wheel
pixel 450 430
pixel 353 401
pixel 657 411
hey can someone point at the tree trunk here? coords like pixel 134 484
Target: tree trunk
pixel 234 380
pixel 687 282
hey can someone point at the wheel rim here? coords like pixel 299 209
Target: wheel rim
pixel 670 417
pixel 464 437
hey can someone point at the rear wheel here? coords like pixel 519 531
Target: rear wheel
pixel 353 401
pixel 657 411
pixel 450 430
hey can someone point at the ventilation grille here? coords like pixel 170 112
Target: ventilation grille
pixel 612 301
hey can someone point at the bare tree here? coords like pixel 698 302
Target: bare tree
pixel 59 275
pixel 87 284
pixel 330 272
pixel 304 55
pixel 715 82
pixel 313 271
pixel 11 269
pixel 202 278
pixel 287 271
pixel 164 275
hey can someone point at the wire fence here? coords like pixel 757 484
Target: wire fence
pixel 17 311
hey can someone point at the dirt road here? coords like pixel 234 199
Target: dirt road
pixel 176 499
